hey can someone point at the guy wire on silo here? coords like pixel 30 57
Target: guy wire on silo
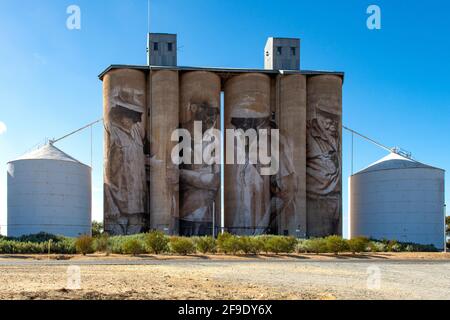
pixel 395 150
pixel 90 125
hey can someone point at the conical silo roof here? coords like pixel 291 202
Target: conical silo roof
pixel 394 161
pixel 48 152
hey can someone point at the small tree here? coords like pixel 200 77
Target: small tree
pixel 336 244
pixel 97 229
pixel 84 244
pixel 182 245
pixel 157 242
pixel 357 245
pixel 447 222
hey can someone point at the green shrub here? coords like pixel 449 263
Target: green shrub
pixel 222 239
pixel 316 245
pixel 206 244
pixel 64 246
pixel 358 244
pixel 101 243
pixel 280 244
pixel 377 246
pixel 133 246
pixel 157 242
pixel 336 244
pixel 182 245
pixel 391 245
pixel 250 245
pixel 97 229
pixel 38 238
pixel 228 243
pixel 84 244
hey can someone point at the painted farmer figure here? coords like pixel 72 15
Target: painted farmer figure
pixel 199 183
pixel 252 190
pixel 125 190
pixel 323 174
pixel 284 188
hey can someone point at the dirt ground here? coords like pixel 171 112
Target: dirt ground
pixel 402 276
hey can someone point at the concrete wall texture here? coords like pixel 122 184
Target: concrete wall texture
pixel 302 199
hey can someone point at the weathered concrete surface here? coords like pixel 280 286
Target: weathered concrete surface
pixel 164 174
pixel 247 192
pixel 124 115
pixel 290 195
pixel 324 155
pixel 200 183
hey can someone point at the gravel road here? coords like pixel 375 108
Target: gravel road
pixel 227 279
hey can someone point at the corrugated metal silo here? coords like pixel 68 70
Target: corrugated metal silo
pixel 397 198
pixel 48 191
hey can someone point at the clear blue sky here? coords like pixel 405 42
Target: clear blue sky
pixel 396 90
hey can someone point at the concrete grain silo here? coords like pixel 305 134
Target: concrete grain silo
pixel 397 198
pixel 164 174
pixel 247 196
pixel 125 188
pixel 200 182
pixel 324 155
pixel 291 179
pixel 48 191
pixel 144 189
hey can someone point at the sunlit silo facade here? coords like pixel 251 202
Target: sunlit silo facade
pixel 400 199
pixel 303 195
pixel 48 191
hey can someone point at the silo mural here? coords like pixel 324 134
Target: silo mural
pixel 199 182
pixel 124 163
pixel 164 174
pixel 324 155
pixel 289 185
pixel 146 190
pixel 247 195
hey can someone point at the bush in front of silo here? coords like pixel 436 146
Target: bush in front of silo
pixel 228 243
pixel 250 245
pixel 133 246
pixel 157 242
pixel 101 243
pixel 182 245
pixel 206 244
pixel 84 244
pixel 313 245
pixel 358 244
pixel 280 244
pixel 336 244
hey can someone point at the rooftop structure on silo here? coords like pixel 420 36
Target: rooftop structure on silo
pixel 162 49
pixel 282 54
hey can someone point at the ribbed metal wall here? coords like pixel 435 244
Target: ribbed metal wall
pixel 398 199
pixel 48 195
